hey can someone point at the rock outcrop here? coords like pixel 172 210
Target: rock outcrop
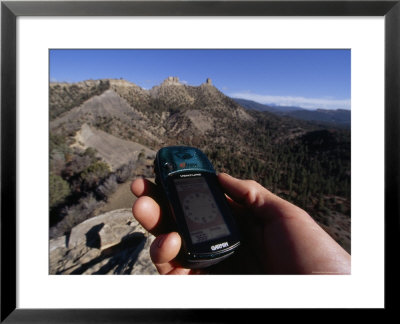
pixel 172 80
pixel 112 243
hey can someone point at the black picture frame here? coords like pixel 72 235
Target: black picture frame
pixel 10 10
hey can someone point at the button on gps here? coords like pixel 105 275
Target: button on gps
pixel 169 166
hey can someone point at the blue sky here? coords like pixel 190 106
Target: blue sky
pixel 306 78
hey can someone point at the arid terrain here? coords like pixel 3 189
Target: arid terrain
pixel 104 133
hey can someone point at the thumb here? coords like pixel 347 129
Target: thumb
pixel 255 197
pixel 246 192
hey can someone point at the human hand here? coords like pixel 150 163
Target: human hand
pixel 277 236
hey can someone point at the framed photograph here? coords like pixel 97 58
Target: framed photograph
pixel 34 32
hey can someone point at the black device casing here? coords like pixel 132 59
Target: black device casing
pixel 168 166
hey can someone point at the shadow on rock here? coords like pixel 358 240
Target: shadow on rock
pixel 122 256
pixel 111 243
pixel 93 239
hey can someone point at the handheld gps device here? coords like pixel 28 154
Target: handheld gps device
pixel 197 204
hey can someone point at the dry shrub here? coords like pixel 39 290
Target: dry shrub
pixel 75 215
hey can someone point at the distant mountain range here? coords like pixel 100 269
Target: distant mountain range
pixel 339 117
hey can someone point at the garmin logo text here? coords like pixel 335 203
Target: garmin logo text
pixel 219 246
pixel 190 175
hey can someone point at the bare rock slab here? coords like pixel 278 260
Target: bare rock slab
pixel 111 243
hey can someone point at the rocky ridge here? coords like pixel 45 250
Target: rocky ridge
pixel 166 112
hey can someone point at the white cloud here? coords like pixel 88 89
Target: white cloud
pixel 308 103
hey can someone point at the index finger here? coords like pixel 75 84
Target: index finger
pixel 148 209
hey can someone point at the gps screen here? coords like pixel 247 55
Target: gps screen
pixel 203 217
